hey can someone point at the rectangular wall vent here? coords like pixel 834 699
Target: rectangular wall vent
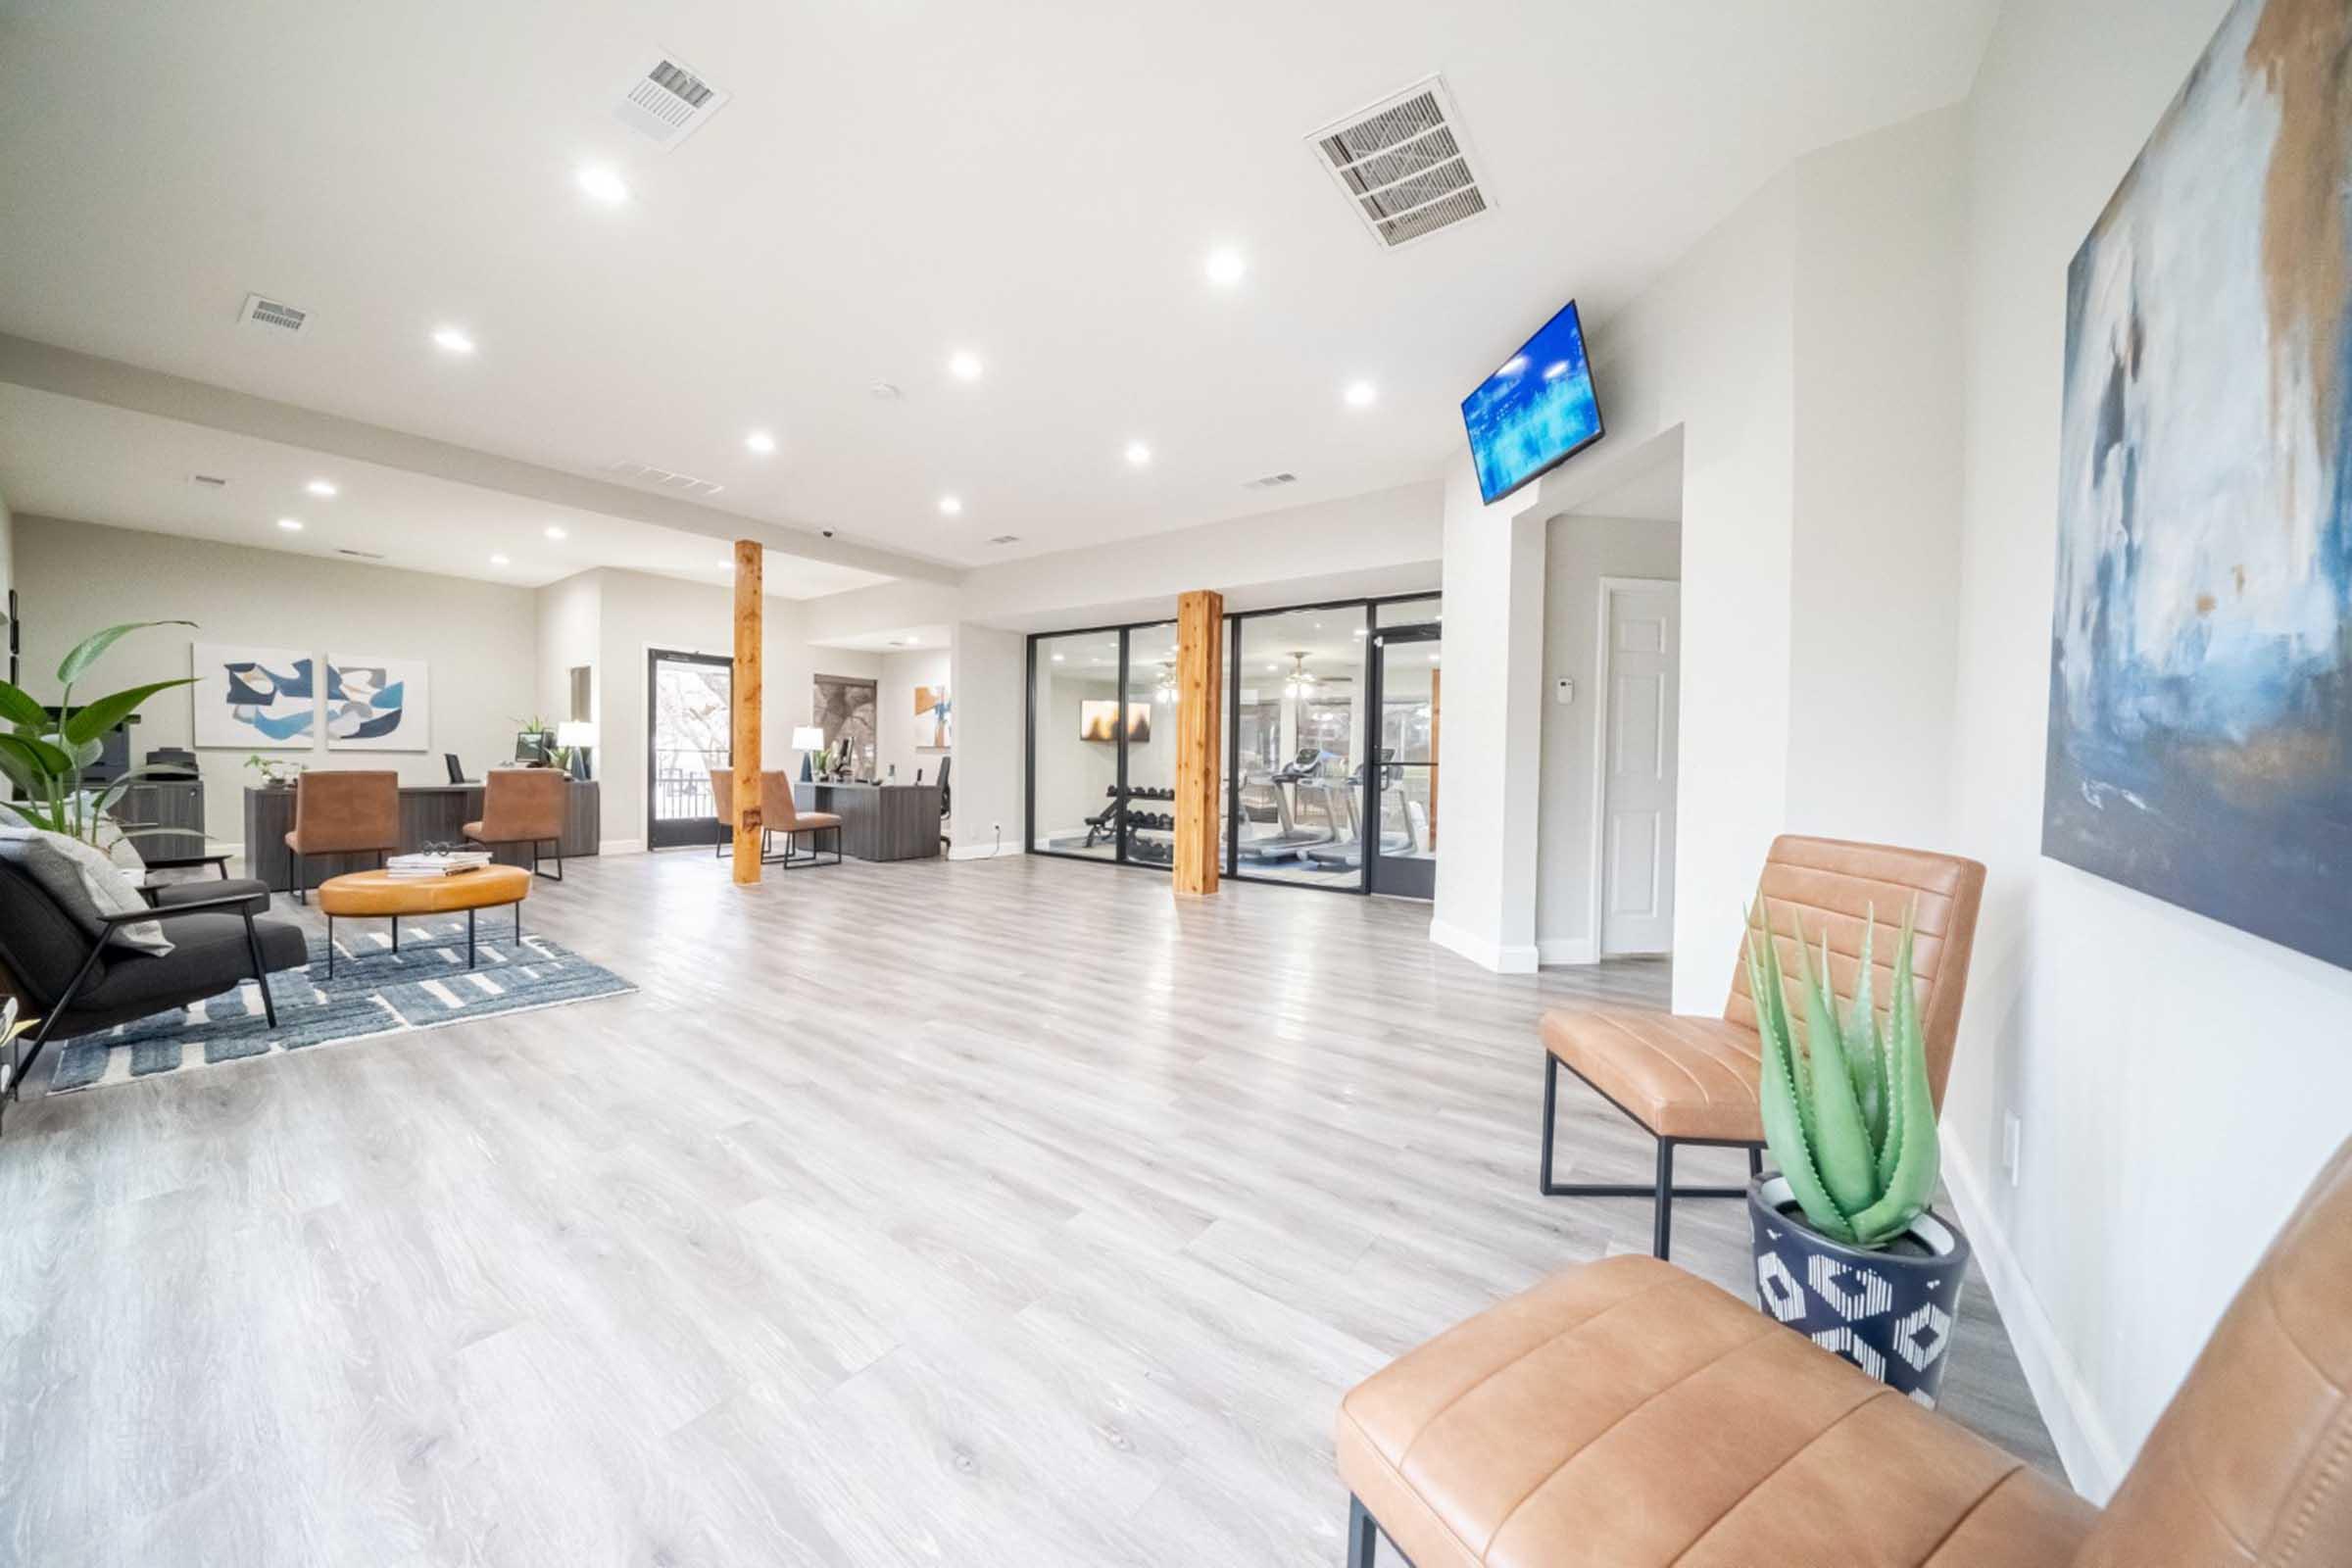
pixel 668 103
pixel 209 481
pixel 1005 539
pixel 274 317
pixel 664 479
pixel 1403 163
pixel 361 555
pixel 1272 482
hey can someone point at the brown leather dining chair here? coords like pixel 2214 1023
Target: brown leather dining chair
pixel 1627 1414
pixel 722 798
pixel 1691 1080
pixel 525 806
pixel 784 816
pixel 343 813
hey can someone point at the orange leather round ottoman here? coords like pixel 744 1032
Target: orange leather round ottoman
pixel 378 895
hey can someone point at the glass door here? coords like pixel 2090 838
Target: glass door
pixel 1401 810
pixel 689 731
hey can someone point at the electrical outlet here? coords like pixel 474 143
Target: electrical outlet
pixel 2013 1138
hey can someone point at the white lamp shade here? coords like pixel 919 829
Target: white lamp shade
pixel 575 733
pixel 809 738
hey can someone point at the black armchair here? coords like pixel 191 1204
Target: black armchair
pixel 77 983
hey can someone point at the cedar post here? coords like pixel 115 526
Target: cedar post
pixel 745 700
pixel 1200 729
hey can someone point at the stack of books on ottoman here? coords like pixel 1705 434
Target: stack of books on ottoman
pixel 435 864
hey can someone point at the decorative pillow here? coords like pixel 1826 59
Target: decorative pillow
pixel 85 885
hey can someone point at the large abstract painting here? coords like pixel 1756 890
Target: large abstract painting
pixel 376 705
pixel 2200 742
pixel 253 699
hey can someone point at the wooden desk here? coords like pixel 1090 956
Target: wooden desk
pixel 878 821
pixel 429 814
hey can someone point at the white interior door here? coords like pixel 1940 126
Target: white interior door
pixel 1641 641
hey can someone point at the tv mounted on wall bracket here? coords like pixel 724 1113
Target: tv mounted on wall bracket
pixel 1535 412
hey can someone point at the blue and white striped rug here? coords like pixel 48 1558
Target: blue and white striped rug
pixel 374 992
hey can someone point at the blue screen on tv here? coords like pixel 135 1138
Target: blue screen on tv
pixel 1535 412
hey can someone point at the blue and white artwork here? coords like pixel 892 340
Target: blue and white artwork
pixel 376 705
pixel 253 699
pixel 2200 725
pixel 1535 411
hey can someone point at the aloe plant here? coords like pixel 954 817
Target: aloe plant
pixel 1848 1111
pixel 44 756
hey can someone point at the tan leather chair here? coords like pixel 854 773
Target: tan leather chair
pixel 525 806
pixel 1692 1080
pixel 785 816
pixel 1629 1414
pixel 722 798
pixel 340 812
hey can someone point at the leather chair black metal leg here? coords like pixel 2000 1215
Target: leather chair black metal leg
pixel 1363 1533
pixel 261 974
pixel 301 890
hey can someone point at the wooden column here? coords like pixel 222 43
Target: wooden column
pixel 745 730
pixel 1199 732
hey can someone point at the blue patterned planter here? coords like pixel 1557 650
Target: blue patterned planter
pixel 1890 1312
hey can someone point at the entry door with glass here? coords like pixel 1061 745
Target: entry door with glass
pixel 1400 810
pixel 689 731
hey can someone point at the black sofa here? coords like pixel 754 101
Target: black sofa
pixel 74 981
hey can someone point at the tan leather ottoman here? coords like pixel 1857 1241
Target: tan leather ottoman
pixel 1629 1414
pixel 378 895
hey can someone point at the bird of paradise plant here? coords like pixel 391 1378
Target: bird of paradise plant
pixel 45 755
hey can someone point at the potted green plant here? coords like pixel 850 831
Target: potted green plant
pixel 44 756
pixel 1847 1249
pixel 277 773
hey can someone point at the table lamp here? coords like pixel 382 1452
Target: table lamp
pixel 807 738
pixel 576 736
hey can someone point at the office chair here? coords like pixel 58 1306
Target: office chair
pixel 456 769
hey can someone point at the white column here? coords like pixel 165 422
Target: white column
pixel 986 681
pixel 1489 754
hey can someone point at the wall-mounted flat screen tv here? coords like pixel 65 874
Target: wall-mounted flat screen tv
pixel 1537 411
pixel 1098 720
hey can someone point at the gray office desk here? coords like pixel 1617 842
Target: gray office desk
pixel 429 814
pixel 878 821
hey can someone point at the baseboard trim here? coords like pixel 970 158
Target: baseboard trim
pixel 620 847
pixel 1495 956
pixel 983 852
pixel 1553 952
pixel 2093 1463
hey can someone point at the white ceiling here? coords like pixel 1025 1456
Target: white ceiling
pixel 895 179
pixel 67 458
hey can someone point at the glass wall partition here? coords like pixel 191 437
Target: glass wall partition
pixel 1327 781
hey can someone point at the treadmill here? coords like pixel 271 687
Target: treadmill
pixel 1345 853
pixel 1263 799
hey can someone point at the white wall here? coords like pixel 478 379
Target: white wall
pixel 8 571
pixel 479 640
pixel 1875 546
pixel 895 729
pixel 1579 552
pixel 2179 1082
pixel 638 613
pixel 570 613
pixel 986 673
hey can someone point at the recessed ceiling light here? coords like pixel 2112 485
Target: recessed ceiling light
pixel 498 560
pixel 290 524
pixel 1138 454
pixel 951 505
pixel 964 366
pixel 554 532
pixel 1358 633
pixel 452 340
pixel 1225 266
pixel 1359 394
pixel 1058 658
pixel 724 565
pixel 602 184
pixel 1432 659
pixel 761 441
pixel 321 487
pixel 887 391
pixel 1271 668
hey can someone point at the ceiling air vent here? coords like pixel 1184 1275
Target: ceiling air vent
pixel 208 481
pixel 1272 482
pixel 272 318
pixel 664 479
pixel 1005 539
pixel 668 103
pixel 361 555
pixel 1403 163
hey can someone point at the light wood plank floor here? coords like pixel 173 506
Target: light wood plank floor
pixel 1006 1212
